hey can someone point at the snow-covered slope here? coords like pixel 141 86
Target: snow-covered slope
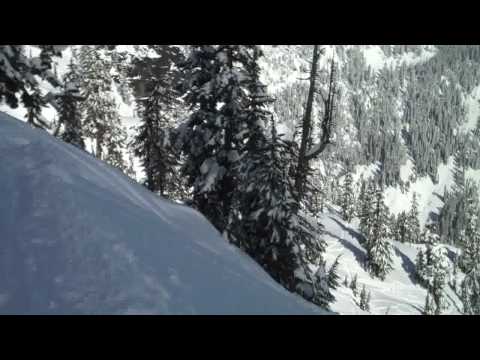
pixel 399 294
pixel 77 236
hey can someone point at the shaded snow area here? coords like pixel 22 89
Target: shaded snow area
pixel 399 294
pixel 78 237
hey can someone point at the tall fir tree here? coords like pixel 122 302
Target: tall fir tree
pixel 470 232
pixel 152 143
pixel 272 230
pixel 429 307
pixel 401 227
pixel 361 195
pixel 348 198
pixel 379 250
pixel 433 269
pixel 460 164
pixel 364 299
pixel 68 105
pixel 156 80
pixel 101 119
pixel 469 259
pixel 215 89
pixel 353 285
pixel 412 233
pixel 366 215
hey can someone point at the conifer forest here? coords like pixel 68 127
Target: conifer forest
pixel 240 179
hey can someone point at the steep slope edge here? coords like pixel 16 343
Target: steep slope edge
pixel 77 236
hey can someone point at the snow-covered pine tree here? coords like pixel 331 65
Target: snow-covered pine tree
pixel 412 228
pixel 367 207
pixel 272 230
pixel 460 163
pixel 348 198
pixel 252 160
pixel 152 143
pixel 470 239
pixel 115 147
pixel 333 277
pixel 353 285
pixel 429 307
pixel 18 78
pixel 469 259
pixel 215 89
pixel 101 119
pixel 401 227
pixel 361 195
pixel 156 80
pixel 364 299
pixel 369 297
pixel 433 269
pixel 470 290
pixel 379 250
pixel 70 116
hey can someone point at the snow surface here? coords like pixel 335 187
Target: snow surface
pixel 377 59
pixel 78 237
pixel 399 294
pixel 472 103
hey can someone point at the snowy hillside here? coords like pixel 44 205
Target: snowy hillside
pixel 399 294
pixel 286 66
pixel 79 237
pixel 406 120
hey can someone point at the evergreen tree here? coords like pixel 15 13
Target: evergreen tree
pixel 433 269
pixel 361 197
pixel 353 285
pixel 242 178
pixel 412 229
pixel 273 232
pixel 348 199
pixel 18 79
pixel 152 143
pixel 469 260
pixel 429 308
pixel 101 118
pixel 216 79
pixel 156 82
pixel 369 296
pixel 366 217
pixel 470 290
pixel 68 107
pixel 401 227
pixel 471 232
pixel 333 277
pixel 460 163
pixel 379 249
pixel 364 299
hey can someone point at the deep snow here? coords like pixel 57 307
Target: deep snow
pixel 77 237
pixel 399 294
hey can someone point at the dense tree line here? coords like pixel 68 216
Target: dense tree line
pixel 211 135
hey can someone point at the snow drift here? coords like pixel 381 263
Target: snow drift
pixel 79 237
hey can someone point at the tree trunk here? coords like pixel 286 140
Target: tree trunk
pixel 306 127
